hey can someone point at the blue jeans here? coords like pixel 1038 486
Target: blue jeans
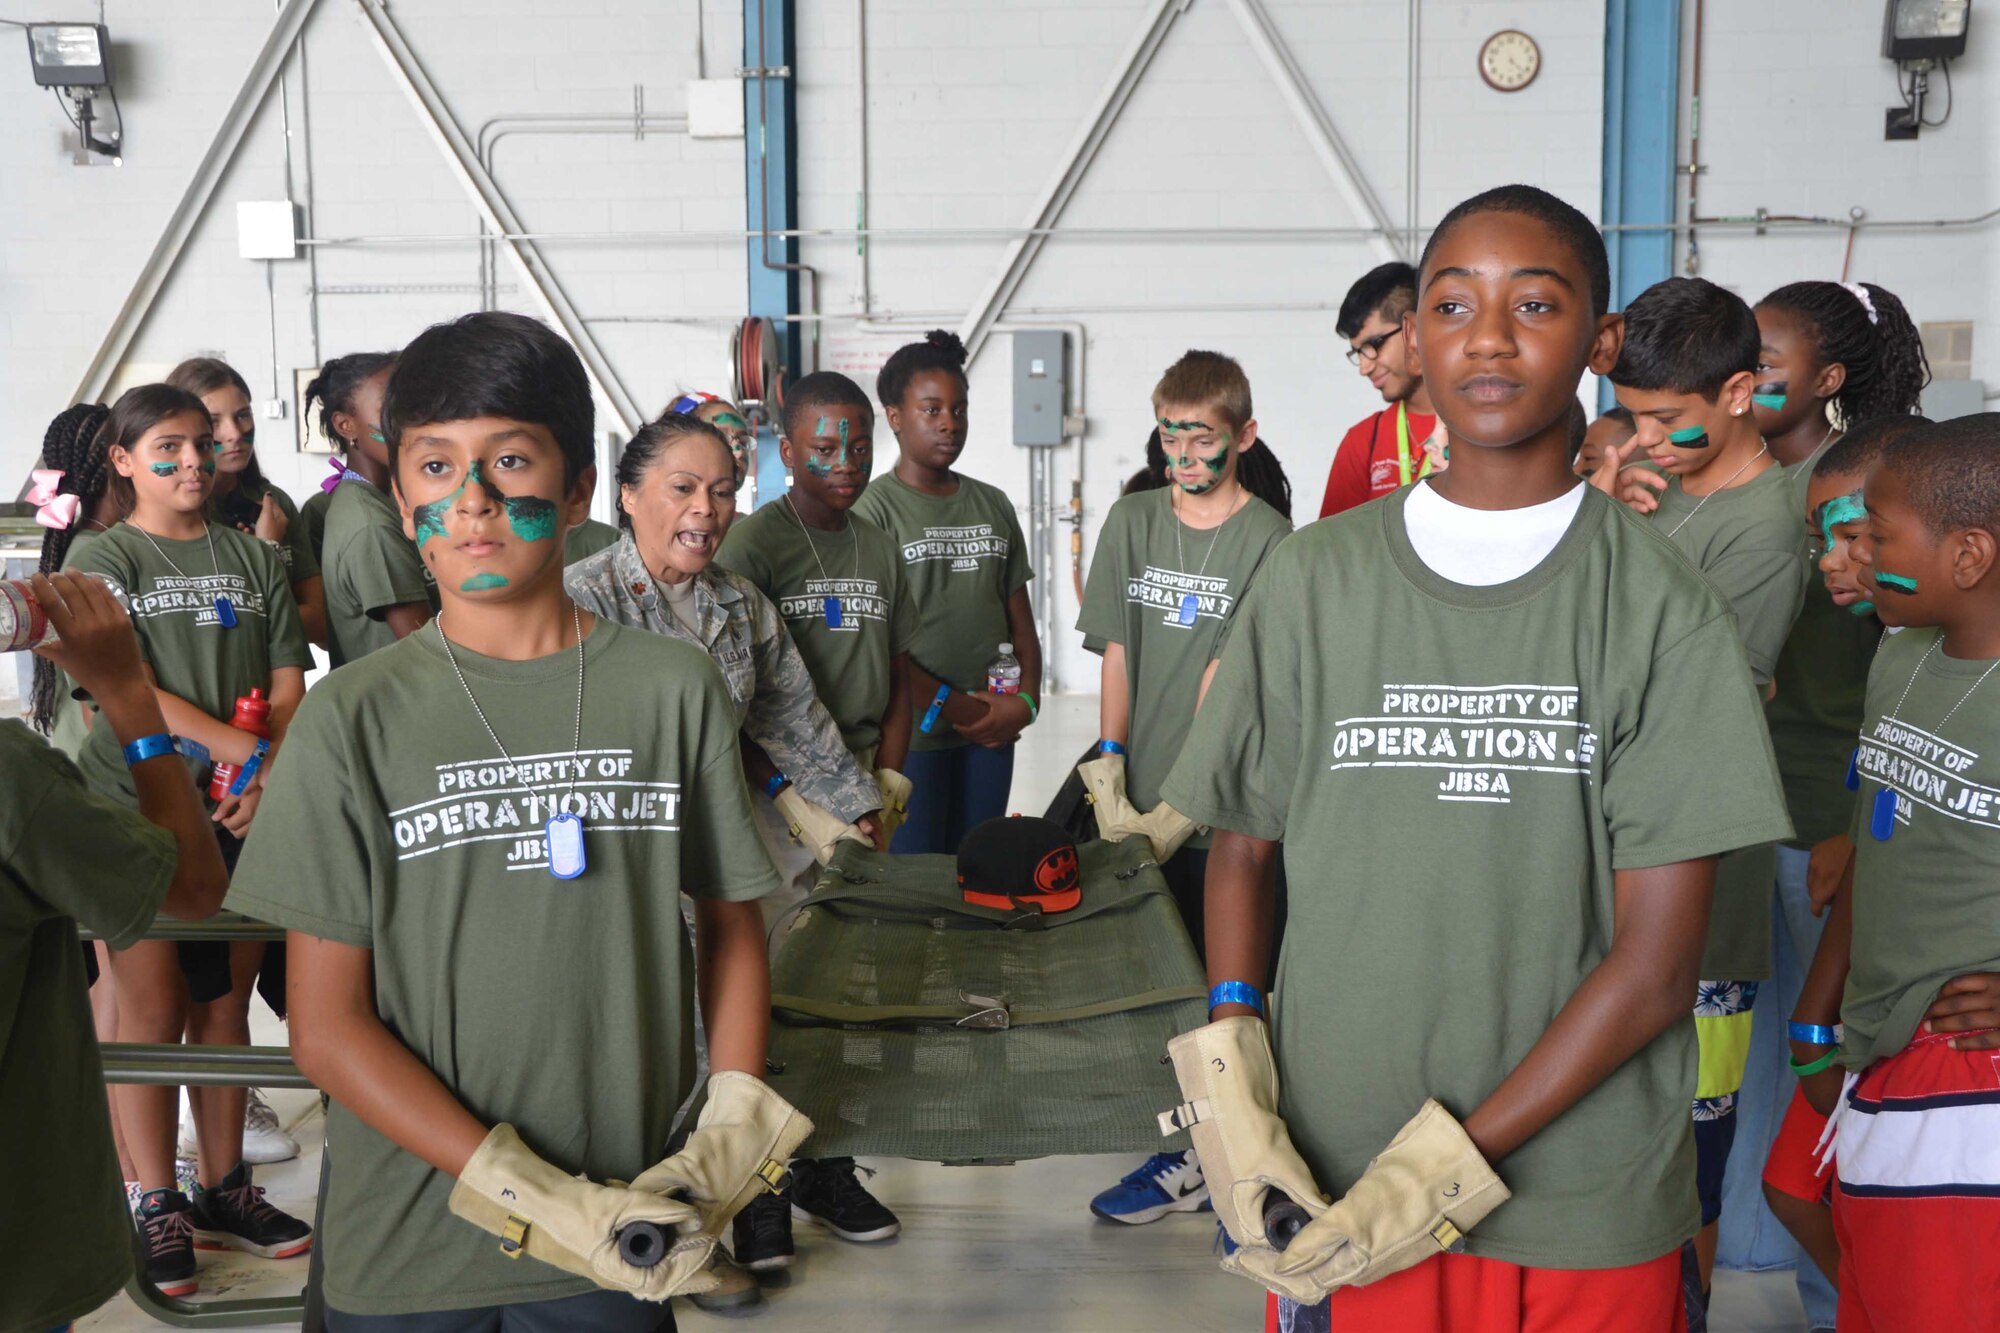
pixel 1751 1237
pixel 950 791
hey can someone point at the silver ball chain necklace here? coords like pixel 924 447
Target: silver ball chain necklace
pixel 565 827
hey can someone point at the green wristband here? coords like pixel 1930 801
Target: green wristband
pixel 1825 1062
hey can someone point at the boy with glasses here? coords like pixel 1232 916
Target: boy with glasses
pixel 1385 450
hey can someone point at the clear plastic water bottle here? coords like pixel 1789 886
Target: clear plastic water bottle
pixel 22 622
pixel 1003 673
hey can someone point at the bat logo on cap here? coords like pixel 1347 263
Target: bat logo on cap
pixel 1056 872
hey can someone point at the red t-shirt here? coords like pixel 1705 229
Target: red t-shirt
pixel 1366 464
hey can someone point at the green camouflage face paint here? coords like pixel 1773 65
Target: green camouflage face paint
pixel 164 469
pixel 1841 509
pixel 1691 437
pixel 483 583
pixel 1901 583
pixel 208 465
pixel 1172 426
pixel 532 518
pixel 429 518
pixel 1864 607
pixel 1771 397
pixel 730 421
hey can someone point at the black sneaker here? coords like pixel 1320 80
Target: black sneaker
pixel 234 1216
pixel 166 1223
pixel 762 1241
pixel 828 1191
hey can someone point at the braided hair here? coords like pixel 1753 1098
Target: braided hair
pixel 1264 477
pixel 1865 329
pixel 71 445
pixel 941 349
pixel 333 388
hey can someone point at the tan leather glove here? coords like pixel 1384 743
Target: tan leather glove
pixel 1418 1198
pixel 815 828
pixel 542 1211
pixel 896 791
pixel 1230 1079
pixel 1104 781
pixel 1166 828
pixel 737 1151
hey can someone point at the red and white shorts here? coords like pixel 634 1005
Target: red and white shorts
pixel 1794 1167
pixel 1917 1204
pixel 1462 1293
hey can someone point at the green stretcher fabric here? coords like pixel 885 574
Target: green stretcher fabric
pixel 910 1023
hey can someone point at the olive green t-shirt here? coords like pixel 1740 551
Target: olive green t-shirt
pixel 174 585
pixel 369 566
pixel 67 855
pixel 312 519
pixel 587 539
pixel 239 510
pixel 1148 565
pixel 1822 677
pixel 1457 774
pixel 963 557
pixel 562 1007
pixel 1927 898
pixel 863 571
pixel 1750 544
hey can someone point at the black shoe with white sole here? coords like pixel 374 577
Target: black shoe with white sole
pixel 762 1239
pixel 166 1225
pixel 827 1190
pixel 234 1216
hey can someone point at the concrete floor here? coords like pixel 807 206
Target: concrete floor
pixel 984 1248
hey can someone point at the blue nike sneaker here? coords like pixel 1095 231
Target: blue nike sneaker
pixel 1168 1182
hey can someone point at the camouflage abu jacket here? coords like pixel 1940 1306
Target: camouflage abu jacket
pixel 740 630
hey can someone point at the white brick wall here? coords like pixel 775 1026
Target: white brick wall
pixel 970 103
pixel 73 238
pixel 1792 103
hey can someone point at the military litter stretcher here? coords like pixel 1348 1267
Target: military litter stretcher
pixel 908 1022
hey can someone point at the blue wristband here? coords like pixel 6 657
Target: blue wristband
pixel 1109 747
pixel 775 785
pixel 1235 992
pixel 1813 1034
pixel 148 747
pixel 249 769
pixel 937 706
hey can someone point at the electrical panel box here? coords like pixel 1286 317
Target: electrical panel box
pixel 267 229
pixel 715 108
pixel 1041 386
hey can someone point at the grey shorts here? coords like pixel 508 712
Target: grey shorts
pixel 592 1312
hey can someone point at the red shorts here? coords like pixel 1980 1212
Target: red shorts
pixel 1793 1166
pixel 1461 1293
pixel 1917 1205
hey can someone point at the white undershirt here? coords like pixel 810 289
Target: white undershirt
pixel 1482 547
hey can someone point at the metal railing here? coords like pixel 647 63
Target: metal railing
pixel 177 1065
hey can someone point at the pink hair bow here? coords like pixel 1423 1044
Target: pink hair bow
pixel 332 483
pixel 52 510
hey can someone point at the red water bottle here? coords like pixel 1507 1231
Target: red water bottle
pixel 253 714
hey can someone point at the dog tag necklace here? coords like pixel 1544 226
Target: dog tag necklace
pixel 1718 490
pixel 1882 818
pixel 835 613
pixel 1190 603
pixel 225 610
pixel 565 828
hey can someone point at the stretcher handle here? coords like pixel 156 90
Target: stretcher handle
pixel 1283 1219
pixel 642 1244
